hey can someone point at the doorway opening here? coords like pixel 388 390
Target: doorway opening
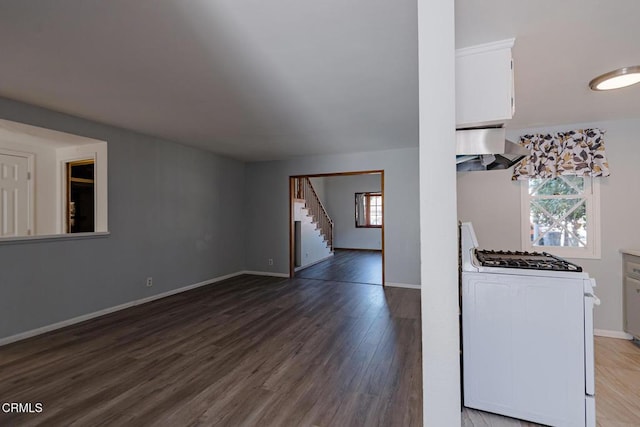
pixel 344 211
pixel 80 196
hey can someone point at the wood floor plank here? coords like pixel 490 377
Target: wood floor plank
pixel 357 266
pixel 617 382
pixel 247 351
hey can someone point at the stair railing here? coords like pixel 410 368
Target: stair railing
pixel 303 190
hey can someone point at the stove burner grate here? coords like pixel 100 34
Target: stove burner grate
pixel 528 260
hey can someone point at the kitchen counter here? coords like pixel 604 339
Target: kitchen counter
pixel 634 252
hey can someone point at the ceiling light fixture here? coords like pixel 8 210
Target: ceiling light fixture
pixel 616 79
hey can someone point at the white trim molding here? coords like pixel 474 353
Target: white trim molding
pixel 53 237
pixel 73 321
pixel 265 273
pixel 612 334
pixel 302 267
pixel 402 285
pixel 486 47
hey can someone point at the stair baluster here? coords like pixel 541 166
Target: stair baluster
pixel 303 189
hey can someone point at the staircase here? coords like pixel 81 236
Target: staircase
pixel 316 227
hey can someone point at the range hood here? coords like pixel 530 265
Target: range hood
pixel 486 149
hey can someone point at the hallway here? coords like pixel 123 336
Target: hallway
pixel 358 266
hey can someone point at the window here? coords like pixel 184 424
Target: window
pixel 561 216
pixel 368 210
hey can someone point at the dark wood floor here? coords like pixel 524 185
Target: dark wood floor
pixel 249 351
pixel 347 266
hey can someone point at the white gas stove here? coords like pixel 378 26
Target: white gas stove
pixel 527 335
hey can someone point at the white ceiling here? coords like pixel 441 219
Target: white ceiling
pixel 260 80
pixel 560 46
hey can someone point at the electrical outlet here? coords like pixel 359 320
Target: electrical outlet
pixel 270 261
pixel 149 281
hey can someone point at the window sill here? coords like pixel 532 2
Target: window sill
pixel 53 237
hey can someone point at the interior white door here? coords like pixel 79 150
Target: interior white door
pixel 14 195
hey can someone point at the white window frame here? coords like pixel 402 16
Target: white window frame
pixel 592 248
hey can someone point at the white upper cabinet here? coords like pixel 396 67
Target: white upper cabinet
pixel 484 84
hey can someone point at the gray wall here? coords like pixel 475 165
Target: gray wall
pixel 174 214
pixel 492 202
pixel 268 191
pixel 340 202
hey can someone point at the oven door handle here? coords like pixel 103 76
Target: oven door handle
pixel 589 368
pixel 596 300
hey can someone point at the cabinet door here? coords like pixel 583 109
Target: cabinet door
pixel 632 267
pixel 632 306
pixel 484 86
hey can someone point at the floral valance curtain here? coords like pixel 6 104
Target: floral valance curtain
pixel 578 152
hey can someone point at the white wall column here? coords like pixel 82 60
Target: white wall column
pixel 438 217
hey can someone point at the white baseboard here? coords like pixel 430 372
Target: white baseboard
pixel 402 285
pixel 73 321
pixel 266 273
pixel 612 334
pixel 302 267
pixel 360 249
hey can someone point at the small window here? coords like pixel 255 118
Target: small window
pixel 368 210
pixel 561 216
